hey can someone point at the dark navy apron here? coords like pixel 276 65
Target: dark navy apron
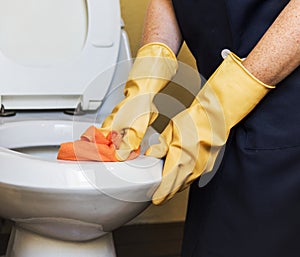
pixel 251 207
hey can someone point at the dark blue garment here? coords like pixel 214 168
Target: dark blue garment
pixel 251 207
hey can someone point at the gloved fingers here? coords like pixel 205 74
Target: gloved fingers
pixel 180 143
pixel 160 150
pixel 131 121
pixel 154 114
pixel 130 141
pixel 178 173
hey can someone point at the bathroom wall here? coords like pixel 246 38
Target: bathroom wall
pixel 133 12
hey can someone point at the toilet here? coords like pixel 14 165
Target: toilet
pixel 62 57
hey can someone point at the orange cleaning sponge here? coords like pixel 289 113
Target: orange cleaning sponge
pixel 93 146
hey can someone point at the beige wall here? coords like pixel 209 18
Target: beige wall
pixel 133 12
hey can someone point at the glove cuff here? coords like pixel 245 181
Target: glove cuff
pixel 238 62
pixel 153 68
pixel 234 89
pixel 156 49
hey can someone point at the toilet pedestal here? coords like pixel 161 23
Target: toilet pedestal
pixel 24 243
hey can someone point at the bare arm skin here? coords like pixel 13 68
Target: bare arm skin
pixel 277 54
pixel 161 25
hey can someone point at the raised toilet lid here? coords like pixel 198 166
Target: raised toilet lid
pixel 56 53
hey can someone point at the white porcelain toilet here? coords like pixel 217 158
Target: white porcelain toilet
pixel 57 55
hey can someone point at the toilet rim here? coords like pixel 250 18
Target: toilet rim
pixel 66 175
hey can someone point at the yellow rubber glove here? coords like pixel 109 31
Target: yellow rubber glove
pixel 193 138
pixel 154 67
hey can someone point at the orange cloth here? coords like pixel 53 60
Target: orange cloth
pixel 93 146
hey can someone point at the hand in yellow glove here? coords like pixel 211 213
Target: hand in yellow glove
pixel 154 67
pixel 193 138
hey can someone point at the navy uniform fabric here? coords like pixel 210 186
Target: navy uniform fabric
pixel 251 207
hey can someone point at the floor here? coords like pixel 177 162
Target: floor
pixel 149 240
pixel 3 243
pixel 143 240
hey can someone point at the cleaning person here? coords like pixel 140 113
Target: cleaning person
pixel 250 101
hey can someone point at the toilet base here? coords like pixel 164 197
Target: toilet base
pixel 24 243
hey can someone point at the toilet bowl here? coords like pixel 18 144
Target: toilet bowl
pixel 60 206
pixel 63 208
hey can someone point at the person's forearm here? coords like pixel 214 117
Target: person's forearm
pixel 161 25
pixel 277 54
